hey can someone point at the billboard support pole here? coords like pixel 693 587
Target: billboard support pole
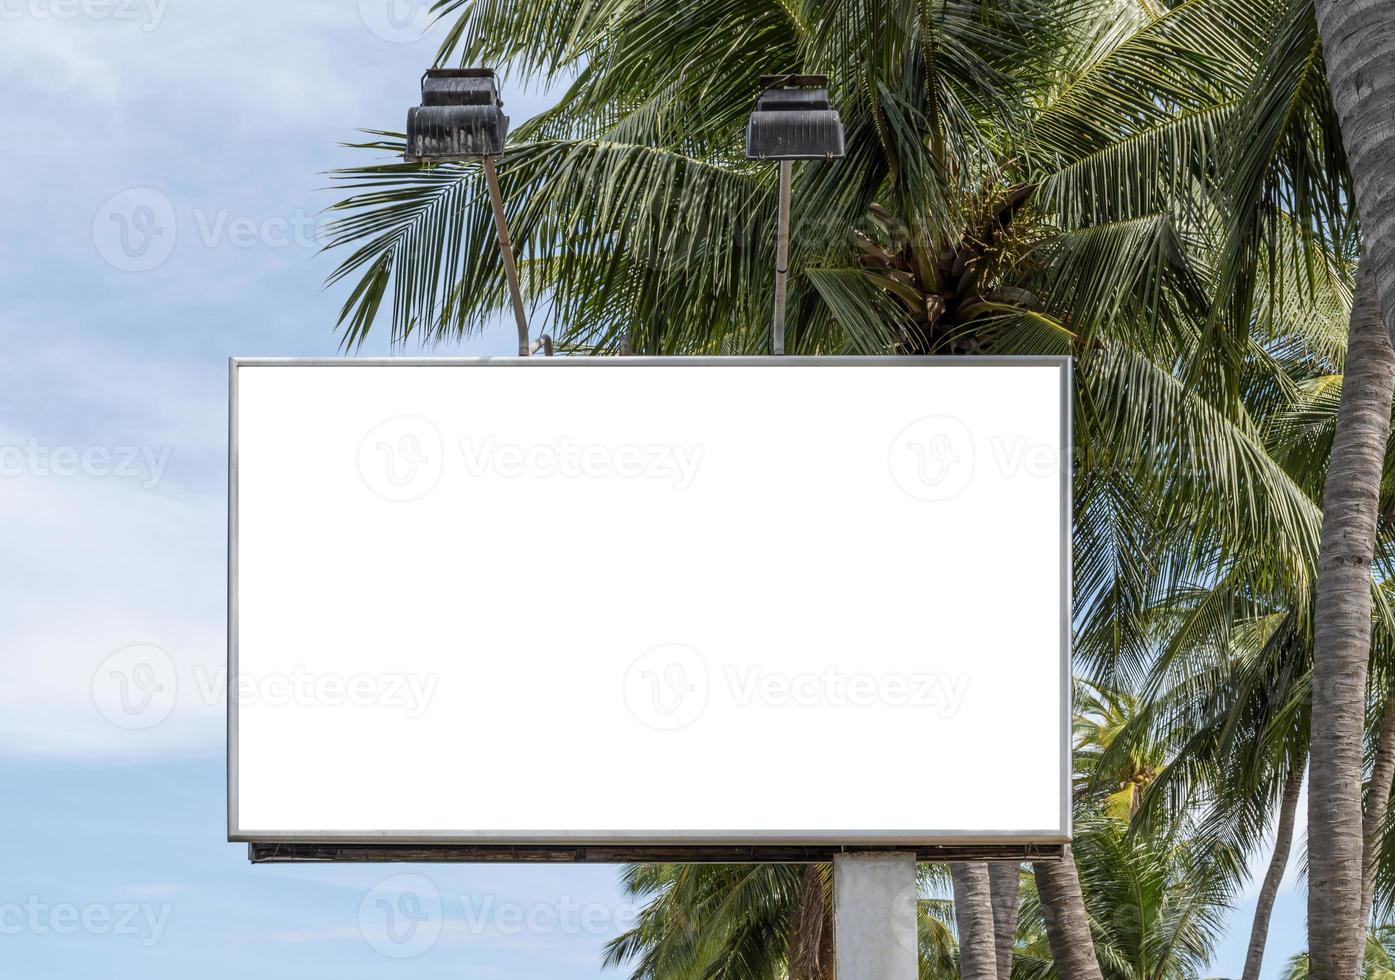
pixel 874 916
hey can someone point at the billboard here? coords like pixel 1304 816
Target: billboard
pixel 680 602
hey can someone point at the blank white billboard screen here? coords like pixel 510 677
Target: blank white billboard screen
pixel 615 600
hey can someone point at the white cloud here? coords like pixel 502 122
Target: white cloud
pixel 231 111
pixel 94 567
pixel 114 538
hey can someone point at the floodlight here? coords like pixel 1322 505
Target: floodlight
pixel 461 117
pixel 793 120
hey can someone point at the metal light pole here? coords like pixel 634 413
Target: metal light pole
pixel 793 120
pixel 874 894
pixel 782 257
pixel 461 118
pixel 496 201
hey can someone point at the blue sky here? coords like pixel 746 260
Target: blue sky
pixel 163 183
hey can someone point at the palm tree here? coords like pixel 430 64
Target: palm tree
pixel 1342 642
pixel 1028 177
pixel 1005 887
pixel 1155 887
pixel 1065 921
pixel 1231 721
pixel 1154 899
pixel 1288 162
pixel 973 915
pixel 1157 904
pixel 1115 762
pixel 1230 701
pixel 1287 199
pixel 743 922
pixel 1378 960
pixel 1356 40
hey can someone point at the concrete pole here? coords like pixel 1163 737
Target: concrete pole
pixel 874 916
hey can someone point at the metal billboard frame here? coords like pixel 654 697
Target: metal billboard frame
pixel 797 846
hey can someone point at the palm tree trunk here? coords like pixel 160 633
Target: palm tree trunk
pixel 1067 924
pixel 973 915
pixel 1358 45
pixel 1342 638
pixel 1005 884
pixel 1358 41
pixel 1278 864
pixel 1377 803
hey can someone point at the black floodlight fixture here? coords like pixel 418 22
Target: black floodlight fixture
pixel 793 120
pixel 461 117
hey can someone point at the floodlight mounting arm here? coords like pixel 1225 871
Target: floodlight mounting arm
pixel 782 259
pixel 501 226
